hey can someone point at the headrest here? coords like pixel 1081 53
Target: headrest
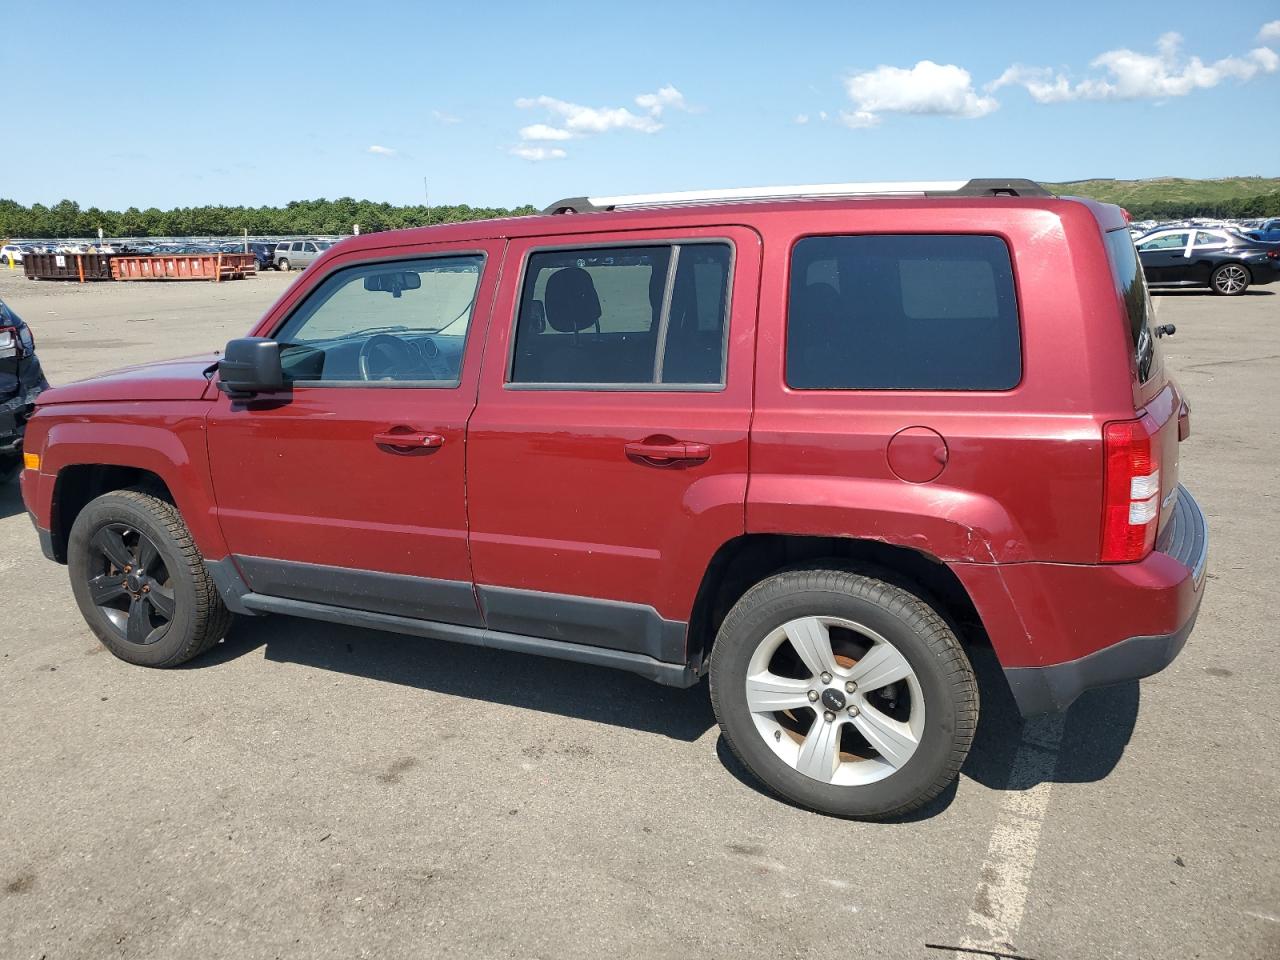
pixel 570 300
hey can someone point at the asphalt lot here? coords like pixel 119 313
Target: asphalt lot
pixel 311 791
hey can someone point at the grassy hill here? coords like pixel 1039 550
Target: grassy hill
pixel 1179 196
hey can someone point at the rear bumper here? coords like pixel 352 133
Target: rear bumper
pixel 1062 629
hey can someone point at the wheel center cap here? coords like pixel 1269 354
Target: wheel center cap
pixel 133 582
pixel 832 699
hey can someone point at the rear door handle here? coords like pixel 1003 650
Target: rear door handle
pixel 664 452
pixel 409 440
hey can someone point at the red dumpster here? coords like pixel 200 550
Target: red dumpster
pixel 185 266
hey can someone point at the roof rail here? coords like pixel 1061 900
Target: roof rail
pixel 905 188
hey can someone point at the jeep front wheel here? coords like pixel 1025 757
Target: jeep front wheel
pixel 140 581
pixel 843 693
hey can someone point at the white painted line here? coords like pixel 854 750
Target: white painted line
pixel 1001 898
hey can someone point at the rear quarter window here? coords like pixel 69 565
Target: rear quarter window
pixel 898 312
pixel 1132 287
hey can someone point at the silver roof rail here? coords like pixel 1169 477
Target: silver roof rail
pixel 903 188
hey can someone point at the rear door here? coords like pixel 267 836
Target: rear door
pixel 607 456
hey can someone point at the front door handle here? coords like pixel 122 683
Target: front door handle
pixel 663 452
pixel 408 440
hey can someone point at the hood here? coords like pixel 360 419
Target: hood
pixel 181 379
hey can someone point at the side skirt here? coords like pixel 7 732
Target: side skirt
pixel 670 674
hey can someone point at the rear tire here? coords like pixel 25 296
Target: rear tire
pixel 140 582
pixel 1230 280
pixel 847 740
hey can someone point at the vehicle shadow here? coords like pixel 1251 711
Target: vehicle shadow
pixel 10 499
pixel 1203 292
pixel 1095 732
pixel 569 689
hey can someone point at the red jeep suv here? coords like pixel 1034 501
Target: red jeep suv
pixel 809 442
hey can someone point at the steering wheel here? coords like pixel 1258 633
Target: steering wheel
pixel 384 357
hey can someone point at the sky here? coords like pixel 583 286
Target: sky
pixel 500 104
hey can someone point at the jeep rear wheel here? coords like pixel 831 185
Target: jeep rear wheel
pixel 843 693
pixel 140 581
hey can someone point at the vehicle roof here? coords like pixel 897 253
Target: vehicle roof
pixel 745 213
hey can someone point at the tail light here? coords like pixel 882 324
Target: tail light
pixel 1273 254
pixel 10 343
pixel 1131 488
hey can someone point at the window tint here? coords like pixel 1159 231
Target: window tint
pixel 623 315
pixel 902 313
pixel 400 321
pixel 1171 241
pixel 1132 286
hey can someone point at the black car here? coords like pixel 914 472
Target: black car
pixel 1225 262
pixel 263 253
pixel 21 381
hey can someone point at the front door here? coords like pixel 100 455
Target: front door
pixel 348 488
pixel 1164 257
pixel 607 456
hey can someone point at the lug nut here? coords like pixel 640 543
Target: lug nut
pixel 828 716
pixel 813 696
pixel 826 677
pixel 128 568
pixel 850 687
pixel 853 711
pixel 146 588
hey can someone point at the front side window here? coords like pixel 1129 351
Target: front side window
pixel 898 312
pixel 1170 241
pixel 637 316
pixel 400 322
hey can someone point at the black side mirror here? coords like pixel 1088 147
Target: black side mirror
pixel 250 365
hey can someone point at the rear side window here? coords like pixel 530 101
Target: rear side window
pixel 1132 287
pixel 896 312
pixel 642 316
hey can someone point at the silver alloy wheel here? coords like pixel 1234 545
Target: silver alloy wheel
pixel 839 692
pixel 1231 279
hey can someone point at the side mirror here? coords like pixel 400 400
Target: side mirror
pixel 393 282
pixel 250 365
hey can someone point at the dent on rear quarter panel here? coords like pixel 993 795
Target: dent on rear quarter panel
pixel 167 439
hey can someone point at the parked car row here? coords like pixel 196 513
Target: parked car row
pixel 21 381
pixel 1226 262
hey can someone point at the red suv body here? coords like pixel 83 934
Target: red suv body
pixel 638 416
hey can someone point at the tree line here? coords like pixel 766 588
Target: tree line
pixel 1237 208
pixel 302 217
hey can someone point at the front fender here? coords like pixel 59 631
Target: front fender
pixel 947 523
pixel 167 440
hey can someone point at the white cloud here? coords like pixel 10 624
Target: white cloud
pixel 802 118
pixel 541 131
pixel 526 152
pixel 574 120
pixel 927 88
pixel 1128 75
pixel 1270 31
pixel 579 119
pixel 668 96
pixel 442 117
pixel 383 151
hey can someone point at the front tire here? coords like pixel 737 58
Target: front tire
pixel 1230 280
pixel 283 266
pixel 10 466
pixel 842 693
pixel 140 582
